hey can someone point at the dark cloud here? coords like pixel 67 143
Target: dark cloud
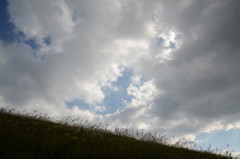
pixel 165 107
pixel 203 73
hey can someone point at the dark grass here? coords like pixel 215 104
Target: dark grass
pixel 31 136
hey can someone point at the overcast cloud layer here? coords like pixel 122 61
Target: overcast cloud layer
pixel 187 52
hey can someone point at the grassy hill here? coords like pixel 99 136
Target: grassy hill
pixel 37 137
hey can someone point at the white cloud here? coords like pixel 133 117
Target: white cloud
pixel 38 20
pixel 144 93
pixel 136 79
pixel 80 60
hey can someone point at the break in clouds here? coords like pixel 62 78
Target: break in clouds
pixel 184 56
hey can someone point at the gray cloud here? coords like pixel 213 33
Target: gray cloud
pixel 202 75
pixel 165 107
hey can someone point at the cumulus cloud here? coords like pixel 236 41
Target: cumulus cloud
pixel 187 52
pixel 201 75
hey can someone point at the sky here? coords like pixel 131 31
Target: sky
pixel 159 65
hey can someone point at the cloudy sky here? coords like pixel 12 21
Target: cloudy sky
pixel 159 65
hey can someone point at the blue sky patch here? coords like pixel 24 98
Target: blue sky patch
pixel 219 138
pixel 47 40
pixel 32 42
pixel 6 27
pixel 114 99
pixel 7 33
pixel 172 45
pixel 160 41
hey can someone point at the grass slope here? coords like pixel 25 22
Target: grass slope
pixel 28 137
